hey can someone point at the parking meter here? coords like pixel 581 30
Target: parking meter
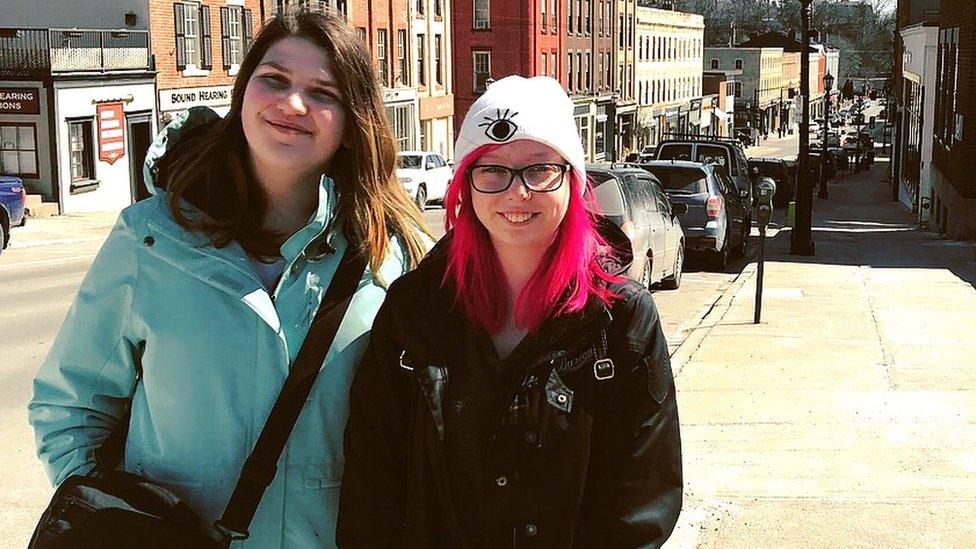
pixel 764 203
pixel 764 211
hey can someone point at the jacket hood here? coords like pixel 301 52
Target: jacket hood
pixel 181 125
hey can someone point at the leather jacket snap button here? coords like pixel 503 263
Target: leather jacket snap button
pixel 501 481
pixel 531 529
pixel 149 241
pixel 531 437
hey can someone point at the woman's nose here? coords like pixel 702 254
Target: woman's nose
pixel 293 103
pixel 518 190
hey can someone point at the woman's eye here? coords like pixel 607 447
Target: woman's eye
pixel 275 80
pixel 324 95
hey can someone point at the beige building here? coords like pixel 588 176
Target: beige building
pixel 759 90
pixel 430 24
pixel 668 70
pixel 790 91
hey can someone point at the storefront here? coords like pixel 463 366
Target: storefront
pixel 80 143
pixel 584 114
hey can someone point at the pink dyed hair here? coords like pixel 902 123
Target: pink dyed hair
pixel 568 275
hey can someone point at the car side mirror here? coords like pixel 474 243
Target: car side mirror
pixel 678 209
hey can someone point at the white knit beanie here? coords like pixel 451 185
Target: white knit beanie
pixel 515 108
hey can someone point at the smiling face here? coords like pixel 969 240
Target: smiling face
pixel 520 219
pixel 293 111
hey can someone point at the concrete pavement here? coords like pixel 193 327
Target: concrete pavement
pixel 847 418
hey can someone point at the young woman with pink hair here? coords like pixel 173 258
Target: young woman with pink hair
pixel 514 391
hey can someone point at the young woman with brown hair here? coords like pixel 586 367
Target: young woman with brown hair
pixel 202 295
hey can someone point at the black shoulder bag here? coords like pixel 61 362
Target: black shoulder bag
pixel 111 508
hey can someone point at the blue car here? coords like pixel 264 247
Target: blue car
pixel 13 197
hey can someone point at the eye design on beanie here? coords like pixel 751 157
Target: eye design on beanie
pixel 501 128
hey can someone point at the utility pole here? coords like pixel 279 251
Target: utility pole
pixel 801 236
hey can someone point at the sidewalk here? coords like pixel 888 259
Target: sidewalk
pixel 847 418
pixel 63 229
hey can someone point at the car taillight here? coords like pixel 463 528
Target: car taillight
pixel 713 206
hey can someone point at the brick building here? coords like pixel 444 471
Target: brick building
pixel 953 192
pixel 198 47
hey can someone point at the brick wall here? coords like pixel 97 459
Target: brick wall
pixel 163 36
pixel 959 164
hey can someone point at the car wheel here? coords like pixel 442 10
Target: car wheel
pixel 672 282
pixel 23 220
pixel 421 199
pixel 3 237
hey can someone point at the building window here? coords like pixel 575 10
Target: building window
pixel 401 119
pixel 589 84
pixel 579 16
pixel 586 15
pixel 404 73
pixel 947 87
pixel 18 150
pixel 738 64
pixel 361 32
pixel 545 64
pixel 381 59
pixel 579 71
pixel 193 44
pixel 420 7
pixel 482 70
pixel 569 13
pixel 737 89
pixel 714 63
pixel 235 34
pixel 555 16
pixel 481 14
pixel 621 32
pixel 569 71
pixel 437 9
pixel 545 18
pixel 82 151
pixel 438 59
pixel 421 59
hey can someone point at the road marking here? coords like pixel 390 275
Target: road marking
pixel 10 266
pixel 53 241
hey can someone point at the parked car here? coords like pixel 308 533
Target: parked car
pixel 777 170
pixel 815 165
pixel 744 136
pixel 425 176
pixel 634 201
pixel 717 220
pixel 13 198
pixel 711 150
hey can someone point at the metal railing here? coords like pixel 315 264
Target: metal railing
pixel 38 52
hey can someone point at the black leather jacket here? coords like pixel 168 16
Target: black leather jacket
pixel 596 463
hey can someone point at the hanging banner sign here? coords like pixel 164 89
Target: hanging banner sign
pixel 111 132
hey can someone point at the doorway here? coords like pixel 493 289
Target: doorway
pixel 139 126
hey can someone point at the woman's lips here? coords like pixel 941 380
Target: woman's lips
pixel 518 218
pixel 287 128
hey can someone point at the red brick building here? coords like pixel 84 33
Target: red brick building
pixel 954 151
pixel 198 47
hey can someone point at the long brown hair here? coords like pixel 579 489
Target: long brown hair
pixel 209 167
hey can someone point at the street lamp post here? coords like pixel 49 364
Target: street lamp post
pixel 801 241
pixel 828 85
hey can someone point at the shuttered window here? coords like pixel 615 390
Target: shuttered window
pixel 232 35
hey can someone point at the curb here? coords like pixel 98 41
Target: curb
pixel 712 316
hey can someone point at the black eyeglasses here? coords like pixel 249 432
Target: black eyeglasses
pixel 539 178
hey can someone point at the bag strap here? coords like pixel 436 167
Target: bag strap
pixel 260 467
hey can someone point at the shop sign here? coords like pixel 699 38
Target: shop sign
pixel 184 98
pixel 111 131
pixel 19 101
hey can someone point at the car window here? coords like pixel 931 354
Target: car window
pixel 439 161
pixel 409 161
pixel 675 151
pixel 714 155
pixel 608 194
pixel 680 180
pixel 640 190
pixel 663 204
pixel 728 188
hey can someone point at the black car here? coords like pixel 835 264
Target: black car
pixel 717 218
pixel 778 170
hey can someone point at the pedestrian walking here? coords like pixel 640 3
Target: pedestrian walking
pixel 199 301
pixel 514 391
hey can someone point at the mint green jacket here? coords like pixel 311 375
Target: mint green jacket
pixel 214 346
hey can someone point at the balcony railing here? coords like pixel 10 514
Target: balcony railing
pixel 41 52
pixel 338 7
